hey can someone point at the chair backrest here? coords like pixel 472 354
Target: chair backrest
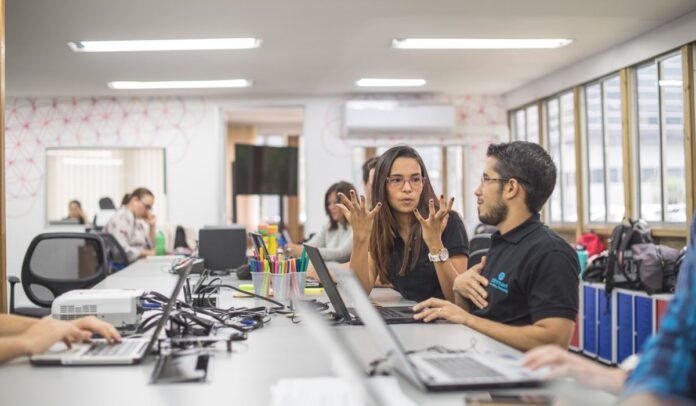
pixel 484 229
pixel 478 248
pixel 180 238
pixel 116 256
pixel 59 262
pixel 105 203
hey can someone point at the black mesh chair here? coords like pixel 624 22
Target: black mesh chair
pixel 105 203
pixel 116 256
pixel 56 263
pixel 478 248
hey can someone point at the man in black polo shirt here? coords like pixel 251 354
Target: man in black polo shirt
pixel 525 292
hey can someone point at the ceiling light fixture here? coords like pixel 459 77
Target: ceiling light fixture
pixel 478 43
pixel 165 45
pixel 180 84
pixel 390 82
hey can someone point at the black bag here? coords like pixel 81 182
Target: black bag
pixel 623 237
pixel 669 281
pixel 596 268
pixel 647 264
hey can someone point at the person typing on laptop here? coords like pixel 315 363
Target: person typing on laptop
pixel 393 242
pixel 525 292
pixel 27 336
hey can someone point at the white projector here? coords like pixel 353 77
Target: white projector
pixel 121 308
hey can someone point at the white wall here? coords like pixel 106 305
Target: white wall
pixel 189 129
pixel 655 42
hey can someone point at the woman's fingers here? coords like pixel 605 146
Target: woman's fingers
pixel 345 201
pixel 375 210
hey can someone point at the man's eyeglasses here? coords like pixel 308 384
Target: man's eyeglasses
pixel 148 206
pixel 397 182
pixel 485 179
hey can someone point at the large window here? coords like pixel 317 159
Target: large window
pixel 560 127
pixel 660 161
pixel 604 158
pixel 91 174
pixel 526 124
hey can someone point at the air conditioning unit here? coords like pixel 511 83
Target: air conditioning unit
pixel 376 118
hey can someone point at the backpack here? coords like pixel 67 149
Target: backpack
pixel 669 280
pixel 596 268
pixel 623 237
pixel 647 265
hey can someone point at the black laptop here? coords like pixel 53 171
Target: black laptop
pixel 390 314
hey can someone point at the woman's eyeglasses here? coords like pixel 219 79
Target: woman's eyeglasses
pixel 397 182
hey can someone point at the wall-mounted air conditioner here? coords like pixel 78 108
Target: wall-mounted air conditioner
pixel 375 118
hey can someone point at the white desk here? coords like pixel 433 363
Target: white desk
pixel 279 350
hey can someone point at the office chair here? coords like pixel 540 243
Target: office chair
pixel 484 229
pixel 116 256
pixel 478 248
pixel 105 203
pixel 56 263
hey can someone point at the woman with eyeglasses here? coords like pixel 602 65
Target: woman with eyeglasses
pixel 410 238
pixel 133 224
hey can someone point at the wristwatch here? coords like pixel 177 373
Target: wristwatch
pixel 442 256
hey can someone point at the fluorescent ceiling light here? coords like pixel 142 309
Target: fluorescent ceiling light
pixel 180 84
pixel 165 45
pixel 670 83
pixel 477 43
pixel 390 82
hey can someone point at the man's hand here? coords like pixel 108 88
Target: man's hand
pixel 471 284
pixel 433 309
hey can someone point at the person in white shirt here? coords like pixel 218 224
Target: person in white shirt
pixel 133 224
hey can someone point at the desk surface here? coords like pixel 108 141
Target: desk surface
pixel 279 350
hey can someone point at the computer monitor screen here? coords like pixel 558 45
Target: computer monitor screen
pixel 260 170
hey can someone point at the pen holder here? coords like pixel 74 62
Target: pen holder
pixel 297 285
pixel 281 286
pixel 261 281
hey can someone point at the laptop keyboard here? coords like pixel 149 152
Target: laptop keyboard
pixel 387 312
pixel 463 368
pixel 104 349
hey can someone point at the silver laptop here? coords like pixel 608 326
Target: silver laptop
pixel 344 361
pixel 436 371
pixel 99 352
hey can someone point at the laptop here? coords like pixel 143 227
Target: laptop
pixel 345 362
pixel 257 240
pixel 434 371
pixel 99 352
pixel 390 314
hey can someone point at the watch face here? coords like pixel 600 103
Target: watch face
pixel 444 254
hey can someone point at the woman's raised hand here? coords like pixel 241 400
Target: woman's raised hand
pixel 435 224
pixel 358 214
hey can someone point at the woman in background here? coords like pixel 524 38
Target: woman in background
pixel 133 224
pixel 335 239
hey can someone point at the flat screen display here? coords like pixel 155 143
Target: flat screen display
pixel 260 170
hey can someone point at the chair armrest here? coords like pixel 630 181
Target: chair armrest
pixel 13 281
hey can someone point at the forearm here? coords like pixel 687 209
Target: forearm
pixel 12 325
pixel 446 273
pixel 360 265
pixel 12 347
pixel 462 302
pixel 523 338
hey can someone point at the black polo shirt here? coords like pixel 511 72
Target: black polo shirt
pixel 532 275
pixel 421 282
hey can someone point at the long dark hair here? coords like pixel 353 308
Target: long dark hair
pixel 338 187
pixel 386 227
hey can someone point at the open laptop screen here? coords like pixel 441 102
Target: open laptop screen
pixel 328 283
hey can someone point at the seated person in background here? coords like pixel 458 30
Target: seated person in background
pixel 525 292
pixel 75 212
pixel 335 238
pixel 133 224
pixel 666 372
pixel 392 241
pixel 27 336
